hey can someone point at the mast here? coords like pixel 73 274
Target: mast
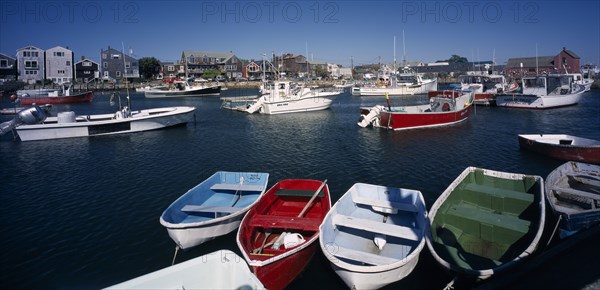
pixel 403 48
pixel 394 54
pixel 124 76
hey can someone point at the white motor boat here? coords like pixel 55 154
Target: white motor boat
pixel 34 124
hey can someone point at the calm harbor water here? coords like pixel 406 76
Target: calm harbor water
pixel 84 213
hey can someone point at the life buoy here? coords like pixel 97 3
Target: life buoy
pixel 445 107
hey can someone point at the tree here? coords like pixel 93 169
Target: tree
pixel 455 59
pixel 149 67
pixel 210 74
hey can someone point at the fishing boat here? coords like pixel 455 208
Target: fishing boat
pixel 486 86
pixel 573 191
pixel 408 82
pixel 486 221
pixel 282 96
pixel 180 88
pixel 562 147
pixel 222 269
pixel 373 235
pixel 34 123
pixel 213 208
pixel 51 96
pixel 544 92
pixel 278 236
pixel 445 108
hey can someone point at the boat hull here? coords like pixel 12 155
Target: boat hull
pixel 303 104
pixel 573 192
pixel 214 214
pixel 40 99
pixel 221 269
pixel 107 124
pixel 364 214
pixel 521 101
pixel 278 212
pixel 423 117
pixel 562 147
pixel 486 221
pixel 163 93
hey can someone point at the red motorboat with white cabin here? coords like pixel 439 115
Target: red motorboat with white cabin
pixel 444 108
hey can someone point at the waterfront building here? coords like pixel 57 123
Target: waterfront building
pixel 8 68
pixel 86 70
pixel 116 65
pixel 197 62
pixel 59 65
pixel 171 70
pixel 30 64
pixel 565 61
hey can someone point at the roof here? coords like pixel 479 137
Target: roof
pixel 29 47
pixel 86 59
pixel 7 56
pixel 224 55
pixel 543 61
pixel 571 53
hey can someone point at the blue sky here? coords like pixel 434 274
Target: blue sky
pixel 333 31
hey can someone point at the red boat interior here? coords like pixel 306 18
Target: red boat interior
pixel 278 211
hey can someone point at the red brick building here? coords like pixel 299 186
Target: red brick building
pixel 564 61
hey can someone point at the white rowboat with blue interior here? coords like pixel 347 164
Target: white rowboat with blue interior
pixel 373 234
pixel 222 269
pixel 213 208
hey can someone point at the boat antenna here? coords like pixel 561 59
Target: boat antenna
pixel 125 77
pixel 394 54
pixel 536 60
pixel 404 50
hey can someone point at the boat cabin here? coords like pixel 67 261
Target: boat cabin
pixel 548 85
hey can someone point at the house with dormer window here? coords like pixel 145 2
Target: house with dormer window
pixel 86 70
pixel 30 64
pixel 8 68
pixel 59 65
pixel 116 65
pixel 197 62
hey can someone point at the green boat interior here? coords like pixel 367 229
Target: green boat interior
pixel 487 221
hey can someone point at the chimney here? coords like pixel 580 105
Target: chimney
pixel 82 57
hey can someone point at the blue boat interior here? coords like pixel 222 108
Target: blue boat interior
pixel 220 195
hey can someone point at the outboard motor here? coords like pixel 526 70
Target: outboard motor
pixel 29 116
pixel 372 116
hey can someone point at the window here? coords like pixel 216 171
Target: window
pixel 61 71
pixel 68 63
pixel 34 53
pixel 564 60
pixel 170 68
pixel 3 63
pixel 105 74
pixel 127 64
pixel 87 72
pixel 104 56
pixel 59 53
pixel 105 64
pixel 86 63
pixel 31 64
pixel 118 74
pixel 115 56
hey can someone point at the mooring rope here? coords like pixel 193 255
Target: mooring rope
pixel 554 231
pixel 175 255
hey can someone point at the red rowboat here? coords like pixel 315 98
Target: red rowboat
pixel 277 237
pixel 445 108
pixel 563 147
pixel 58 99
